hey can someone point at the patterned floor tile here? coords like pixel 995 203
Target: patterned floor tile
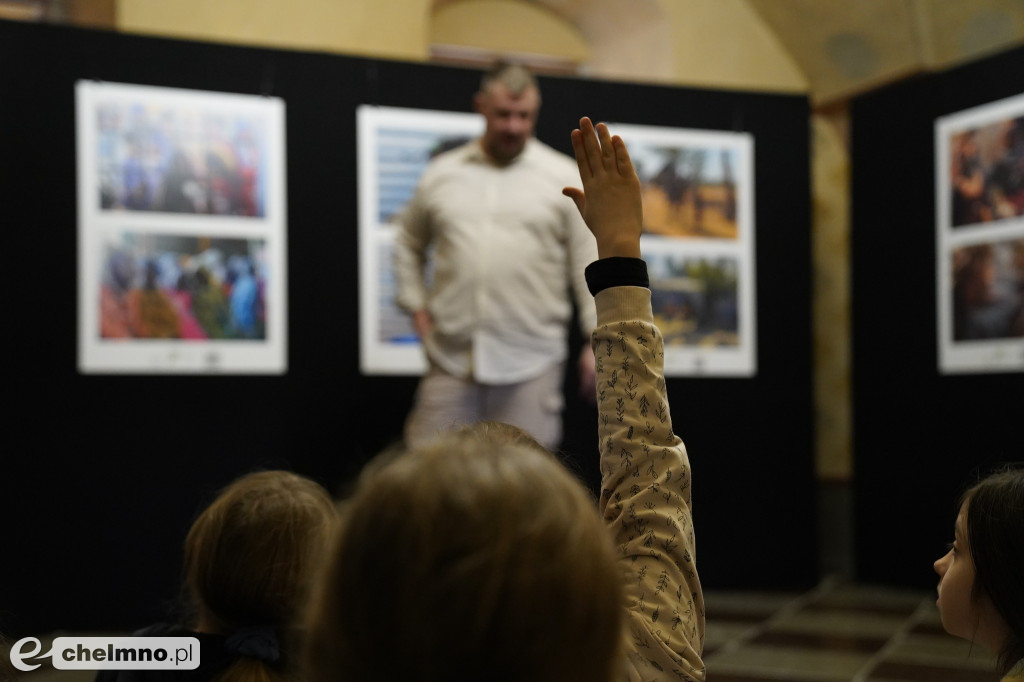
pixel 893 671
pixel 753 603
pixel 786 663
pixel 869 598
pixel 716 634
pixel 941 648
pixel 837 632
pixel 762 677
pixel 842 623
pixel 825 641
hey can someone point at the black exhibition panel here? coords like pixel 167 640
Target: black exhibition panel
pixel 105 473
pixel 919 436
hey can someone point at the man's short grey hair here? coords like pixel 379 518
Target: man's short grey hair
pixel 513 76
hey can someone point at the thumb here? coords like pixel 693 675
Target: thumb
pixel 577 196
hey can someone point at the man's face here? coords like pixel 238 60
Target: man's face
pixel 510 120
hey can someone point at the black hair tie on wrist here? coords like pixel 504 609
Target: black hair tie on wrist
pixel 259 642
pixel 617 271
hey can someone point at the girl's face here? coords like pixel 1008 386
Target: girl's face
pixel 956 580
pixel 963 614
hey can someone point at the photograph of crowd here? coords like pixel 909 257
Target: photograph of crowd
pixel 987 172
pixel 183 287
pixel 174 158
pixel 988 291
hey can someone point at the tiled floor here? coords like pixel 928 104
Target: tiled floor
pixel 836 633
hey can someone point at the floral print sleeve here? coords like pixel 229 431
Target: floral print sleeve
pixel 645 495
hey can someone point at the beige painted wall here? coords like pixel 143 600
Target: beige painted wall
pixel 718 43
pixel 377 28
pixel 830 242
pixel 721 43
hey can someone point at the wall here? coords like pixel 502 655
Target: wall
pixel 109 470
pixel 920 436
pixel 721 43
pixel 380 28
pixel 524 29
pixel 709 43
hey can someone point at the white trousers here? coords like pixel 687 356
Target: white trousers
pixel 444 402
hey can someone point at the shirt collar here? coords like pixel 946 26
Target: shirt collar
pixel 478 155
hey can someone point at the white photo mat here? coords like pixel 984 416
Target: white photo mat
pixel 170 183
pixel 698 241
pixel 396 144
pixel 980 238
pixel 394 147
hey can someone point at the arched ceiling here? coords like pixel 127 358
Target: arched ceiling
pixel 830 49
pixel 843 47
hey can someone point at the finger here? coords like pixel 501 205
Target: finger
pixel 622 160
pixel 592 146
pixel 607 153
pixel 578 197
pixel 581 155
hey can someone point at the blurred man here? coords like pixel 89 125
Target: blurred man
pixel 508 249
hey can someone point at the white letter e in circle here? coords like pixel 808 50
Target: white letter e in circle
pixel 17 657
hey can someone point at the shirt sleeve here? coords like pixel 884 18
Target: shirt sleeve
pixel 646 492
pixel 410 253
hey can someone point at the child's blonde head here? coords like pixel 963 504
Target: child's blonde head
pixel 251 557
pixel 480 557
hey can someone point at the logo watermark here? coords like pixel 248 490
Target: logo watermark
pixel 110 653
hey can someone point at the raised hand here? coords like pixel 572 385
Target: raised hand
pixel 610 199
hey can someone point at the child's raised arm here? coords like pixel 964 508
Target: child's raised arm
pixel 645 471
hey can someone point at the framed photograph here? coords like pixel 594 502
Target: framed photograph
pixel 181 231
pixel 698 241
pixel 980 238
pixel 394 147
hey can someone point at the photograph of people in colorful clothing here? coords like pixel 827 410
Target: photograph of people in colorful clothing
pixel 180 160
pixel 181 287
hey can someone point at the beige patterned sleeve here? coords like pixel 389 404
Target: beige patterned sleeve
pixel 645 495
